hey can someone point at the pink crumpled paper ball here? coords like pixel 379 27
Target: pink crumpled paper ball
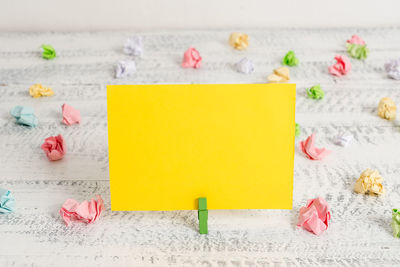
pixel 355 39
pixel 315 216
pixel 87 211
pixel 70 115
pixel 312 152
pixel 54 147
pixel 341 67
pixel 191 59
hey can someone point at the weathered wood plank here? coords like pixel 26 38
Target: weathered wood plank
pixel 360 233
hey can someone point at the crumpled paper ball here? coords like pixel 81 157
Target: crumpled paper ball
pixel 370 181
pixel 315 216
pixel 239 41
pixel 343 139
pixel 396 223
pixel 387 109
pixel 70 115
pixel 357 51
pixel 191 59
pixel 315 92
pixel 341 67
pixel 87 211
pixel 297 130
pixel 355 39
pixel 24 116
pixel 280 75
pixel 290 59
pixel 357 48
pixel 48 52
pixel 6 201
pixel 38 90
pixel 312 152
pixel 245 66
pixel 133 46
pixel 54 147
pixel 125 68
pixel 393 68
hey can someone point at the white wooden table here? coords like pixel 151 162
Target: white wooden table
pixel 35 235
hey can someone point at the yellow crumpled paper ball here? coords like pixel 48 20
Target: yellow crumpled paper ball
pixel 239 40
pixel 370 181
pixel 387 109
pixel 280 75
pixel 38 90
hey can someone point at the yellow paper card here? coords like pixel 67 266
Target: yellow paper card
pixel 230 143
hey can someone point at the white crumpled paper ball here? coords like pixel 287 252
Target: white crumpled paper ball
pixel 245 66
pixel 133 46
pixel 125 68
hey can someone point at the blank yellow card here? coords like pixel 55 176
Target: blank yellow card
pixel 230 143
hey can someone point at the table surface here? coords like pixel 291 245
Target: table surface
pixel 360 233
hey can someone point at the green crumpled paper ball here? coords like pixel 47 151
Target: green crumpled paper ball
pixel 396 222
pixel 48 52
pixel 357 51
pixel 290 59
pixel 315 92
pixel 297 130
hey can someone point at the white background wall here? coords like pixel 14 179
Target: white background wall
pixel 67 15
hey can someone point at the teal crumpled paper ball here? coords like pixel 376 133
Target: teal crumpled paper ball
pixel 24 116
pixel 6 201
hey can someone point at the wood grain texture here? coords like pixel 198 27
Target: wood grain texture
pixel 360 234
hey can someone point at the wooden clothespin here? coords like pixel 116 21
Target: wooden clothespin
pixel 203 216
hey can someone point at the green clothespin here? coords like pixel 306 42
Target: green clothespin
pixel 203 216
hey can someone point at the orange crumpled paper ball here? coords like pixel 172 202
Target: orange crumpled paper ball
pixel 387 108
pixel 239 41
pixel 370 181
